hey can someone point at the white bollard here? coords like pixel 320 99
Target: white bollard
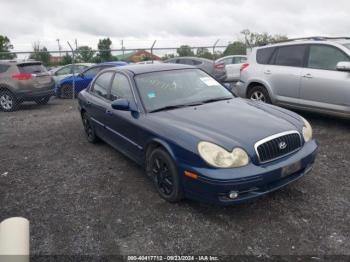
pixel 14 239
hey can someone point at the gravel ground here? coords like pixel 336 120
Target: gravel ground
pixel 90 199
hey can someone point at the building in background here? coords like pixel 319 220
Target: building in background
pixel 55 60
pixel 137 56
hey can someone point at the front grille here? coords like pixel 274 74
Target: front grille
pixel 278 146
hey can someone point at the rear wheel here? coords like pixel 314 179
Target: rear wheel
pixel 161 167
pixel 89 129
pixel 8 101
pixel 66 91
pixel 259 93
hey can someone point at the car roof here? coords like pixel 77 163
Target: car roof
pixel 149 68
pixel 19 62
pixel 189 57
pixel 117 63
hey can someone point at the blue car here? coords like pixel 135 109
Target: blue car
pixel 65 87
pixel 193 137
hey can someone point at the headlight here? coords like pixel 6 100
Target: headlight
pixel 217 156
pixel 307 131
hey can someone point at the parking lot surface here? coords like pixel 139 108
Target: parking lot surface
pixel 90 199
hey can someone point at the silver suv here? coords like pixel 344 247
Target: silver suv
pixel 312 74
pixel 24 81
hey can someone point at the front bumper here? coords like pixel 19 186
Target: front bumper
pixel 252 181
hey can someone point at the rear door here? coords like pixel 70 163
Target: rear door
pixel 98 103
pixel 322 86
pixel 283 73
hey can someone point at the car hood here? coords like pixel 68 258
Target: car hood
pixel 231 123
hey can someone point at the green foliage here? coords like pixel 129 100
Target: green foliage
pixel 67 59
pixel 252 39
pixel 40 54
pixel 5 47
pixel 104 47
pixel 84 54
pixel 235 48
pixel 184 50
pixel 167 56
pixel 204 53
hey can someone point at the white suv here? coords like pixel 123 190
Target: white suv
pixel 312 74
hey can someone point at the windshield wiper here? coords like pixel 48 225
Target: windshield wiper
pixel 175 107
pixel 215 100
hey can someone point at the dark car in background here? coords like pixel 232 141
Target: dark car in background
pixel 64 89
pixel 215 70
pixel 194 138
pixel 24 81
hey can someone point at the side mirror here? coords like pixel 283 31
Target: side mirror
pixel 121 104
pixel 343 66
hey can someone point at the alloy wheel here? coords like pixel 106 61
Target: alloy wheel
pixel 162 176
pixel 88 128
pixel 6 102
pixel 258 96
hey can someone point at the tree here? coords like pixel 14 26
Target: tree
pixel 204 52
pixel 260 39
pixel 5 47
pixel 67 59
pixel 40 54
pixel 84 54
pixel 104 48
pixel 236 48
pixel 184 50
pixel 167 56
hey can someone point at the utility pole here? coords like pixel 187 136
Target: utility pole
pixel 217 41
pixel 123 48
pixel 59 47
pixel 76 44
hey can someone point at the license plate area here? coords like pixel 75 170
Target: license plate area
pixel 291 169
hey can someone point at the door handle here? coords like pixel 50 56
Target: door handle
pixel 307 76
pixel 109 112
pixel 267 72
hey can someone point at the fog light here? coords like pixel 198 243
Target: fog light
pixel 233 194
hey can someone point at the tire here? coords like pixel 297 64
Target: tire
pixel 8 101
pixel 259 93
pixel 162 169
pixel 43 100
pixel 89 129
pixel 66 91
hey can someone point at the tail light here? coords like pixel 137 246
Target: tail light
pixel 244 66
pixel 22 76
pixel 219 66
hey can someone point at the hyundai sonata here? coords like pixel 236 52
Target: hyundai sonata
pixel 192 136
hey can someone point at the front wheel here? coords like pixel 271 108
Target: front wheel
pixel 161 167
pixel 259 93
pixel 66 91
pixel 8 101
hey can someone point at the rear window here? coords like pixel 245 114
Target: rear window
pixel 263 55
pixel 3 68
pixel 31 68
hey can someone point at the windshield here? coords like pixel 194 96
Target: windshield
pixel 178 87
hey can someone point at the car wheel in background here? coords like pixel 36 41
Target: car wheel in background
pixel 8 101
pixel 42 100
pixel 89 129
pixel 66 91
pixel 259 93
pixel 161 167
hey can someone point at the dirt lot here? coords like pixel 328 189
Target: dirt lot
pixel 90 199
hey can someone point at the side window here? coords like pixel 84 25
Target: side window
pixel 242 59
pixel 64 71
pixel 121 88
pixel 290 55
pixel 263 55
pixel 3 68
pixel 195 62
pixel 92 71
pixel 79 68
pixel 101 84
pixel 325 57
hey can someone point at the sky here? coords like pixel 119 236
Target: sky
pixel 171 22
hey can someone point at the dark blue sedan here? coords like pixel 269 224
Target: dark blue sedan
pixel 64 88
pixel 193 137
